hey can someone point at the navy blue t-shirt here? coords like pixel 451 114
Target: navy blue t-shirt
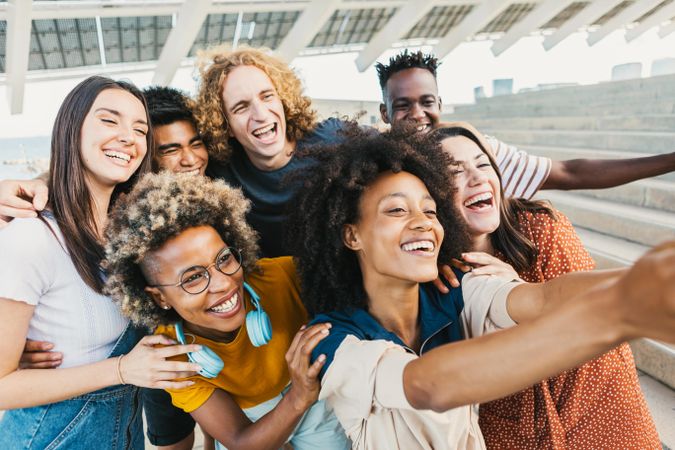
pixel 269 197
pixel 438 315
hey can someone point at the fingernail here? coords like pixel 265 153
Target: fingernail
pixel 321 358
pixel 197 368
pixel 329 325
pixel 303 327
pixel 48 346
pixel 325 331
pixel 190 383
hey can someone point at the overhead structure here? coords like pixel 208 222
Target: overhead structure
pixel 190 19
pixel 591 12
pixel 627 16
pixel 56 38
pixel 539 16
pixel 18 45
pixel 476 20
pixel 662 15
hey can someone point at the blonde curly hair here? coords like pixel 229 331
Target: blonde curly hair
pixel 214 66
pixel 160 207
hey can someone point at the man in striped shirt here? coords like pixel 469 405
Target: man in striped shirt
pixel 410 93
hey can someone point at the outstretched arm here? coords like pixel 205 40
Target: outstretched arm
pixel 641 302
pixel 606 173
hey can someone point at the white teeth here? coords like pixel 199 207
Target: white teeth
pixel 422 127
pixel 260 131
pixel 118 155
pixel 192 172
pixel 418 245
pixel 227 305
pixel 477 198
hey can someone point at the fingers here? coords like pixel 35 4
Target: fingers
pixel 449 275
pixel 157 339
pixel 480 258
pixel 315 368
pixel 41 357
pixel 40 365
pixel 442 288
pixel 172 376
pixel 40 196
pixel 37 346
pixel 457 264
pixel 180 366
pixel 22 213
pixel 308 339
pixel 174 350
pixel 173 384
pixel 294 343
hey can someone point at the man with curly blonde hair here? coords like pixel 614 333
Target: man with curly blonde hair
pixel 253 116
pixel 179 251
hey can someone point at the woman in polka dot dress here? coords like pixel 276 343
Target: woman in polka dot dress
pixel 598 405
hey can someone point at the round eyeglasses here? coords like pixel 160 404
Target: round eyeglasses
pixel 196 279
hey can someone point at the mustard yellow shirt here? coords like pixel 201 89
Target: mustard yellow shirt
pixel 251 374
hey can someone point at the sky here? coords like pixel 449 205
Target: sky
pixel 335 76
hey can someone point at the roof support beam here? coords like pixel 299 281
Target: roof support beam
pixel 476 20
pixel 177 46
pixel 305 28
pixel 662 15
pixel 401 22
pixel 18 51
pixel 592 11
pixel 634 11
pixel 541 14
pixel 665 30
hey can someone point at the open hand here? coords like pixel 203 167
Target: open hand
pixel 21 198
pixel 146 365
pixel 305 384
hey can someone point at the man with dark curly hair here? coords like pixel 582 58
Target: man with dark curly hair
pixel 372 220
pixel 180 253
pixel 178 145
pixel 410 94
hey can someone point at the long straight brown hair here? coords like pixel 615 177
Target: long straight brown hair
pixel 508 237
pixel 69 197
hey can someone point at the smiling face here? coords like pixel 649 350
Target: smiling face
pixel 113 138
pixel 478 188
pixel 217 312
pixel 397 235
pixel 256 117
pixel 412 96
pixel 180 149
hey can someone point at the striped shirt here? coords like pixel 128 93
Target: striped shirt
pixel 522 174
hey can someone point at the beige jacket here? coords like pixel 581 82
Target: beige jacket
pixel 364 383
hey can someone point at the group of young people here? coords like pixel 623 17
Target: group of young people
pixel 286 272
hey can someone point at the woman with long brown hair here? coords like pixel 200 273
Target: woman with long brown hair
pixel 51 285
pixel 596 405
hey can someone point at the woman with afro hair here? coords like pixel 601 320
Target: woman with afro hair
pixel 371 221
pixel 180 255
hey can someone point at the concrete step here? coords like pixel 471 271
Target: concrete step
pixel 661 401
pixel 633 141
pixel 610 252
pixel 572 107
pixel 564 153
pixel 636 224
pixel 653 122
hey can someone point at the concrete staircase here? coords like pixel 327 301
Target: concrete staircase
pixel 612 120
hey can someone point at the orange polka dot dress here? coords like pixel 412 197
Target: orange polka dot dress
pixel 598 405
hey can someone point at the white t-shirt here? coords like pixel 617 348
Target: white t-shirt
pixel 35 269
pixel 522 174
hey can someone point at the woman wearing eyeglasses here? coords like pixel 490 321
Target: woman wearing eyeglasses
pixel 181 257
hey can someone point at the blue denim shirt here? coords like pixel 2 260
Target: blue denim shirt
pixel 438 315
pixel 109 418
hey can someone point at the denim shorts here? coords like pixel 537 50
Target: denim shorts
pixel 109 418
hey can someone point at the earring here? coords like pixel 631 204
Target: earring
pixel 167 307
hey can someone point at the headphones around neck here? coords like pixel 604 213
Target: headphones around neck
pixel 259 332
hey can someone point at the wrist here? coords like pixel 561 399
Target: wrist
pixel 296 401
